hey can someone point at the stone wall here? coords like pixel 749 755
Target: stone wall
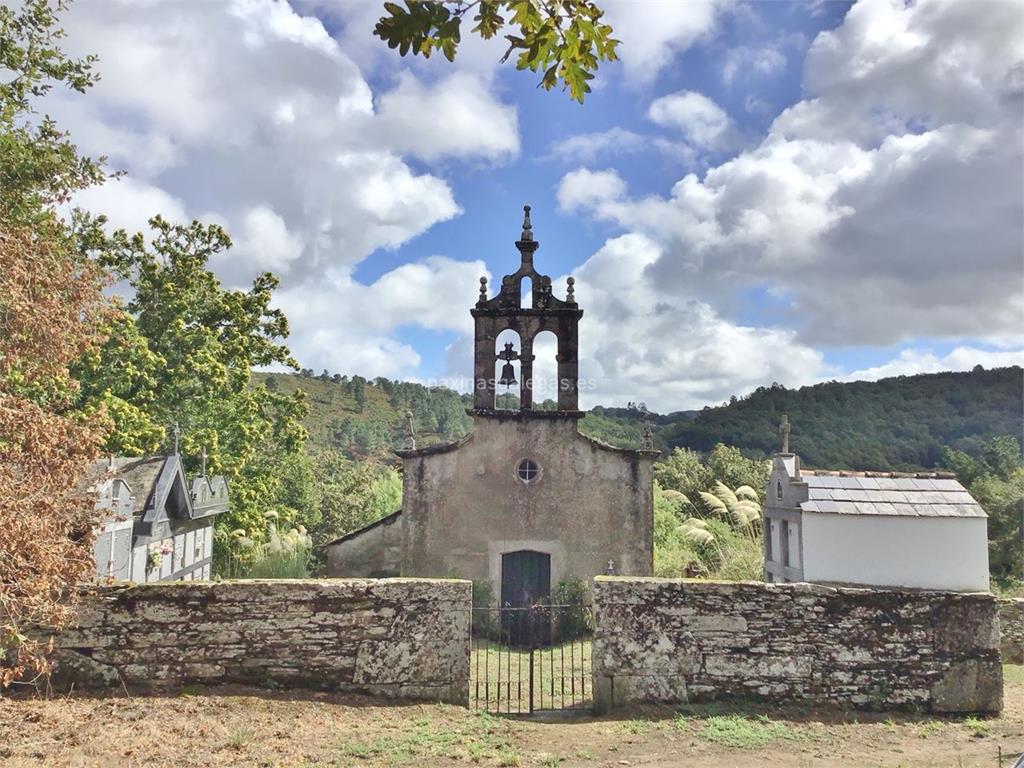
pixel 1011 627
pixel 403 638
pixel 676 641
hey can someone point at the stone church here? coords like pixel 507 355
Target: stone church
pixel 524 500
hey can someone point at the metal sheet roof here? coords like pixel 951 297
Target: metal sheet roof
pixel 917 495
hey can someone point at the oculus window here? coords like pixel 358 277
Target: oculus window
pixel 527 470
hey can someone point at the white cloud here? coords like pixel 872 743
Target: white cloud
pixel 248 113
pixel 914 361
pixel 264 242
pixel 129 203
pixel 654 32
pixel 588 147
pixel 745 61
pixel 583 189
pixel 348 326
pixel 881 209
pixel 471 118
pixel 701 121
pixel 672 352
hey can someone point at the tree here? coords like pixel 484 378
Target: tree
pixel 183 353
pixel 995 478
pixel 564 39
pixel 52 311
pixel 40 167
pixel 351 495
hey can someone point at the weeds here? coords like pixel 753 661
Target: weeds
pixel 480 738
pixel 748 733
pixel 977 726
pixel 238 740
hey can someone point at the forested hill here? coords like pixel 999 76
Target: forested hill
pixel 902 422
pixel 897 423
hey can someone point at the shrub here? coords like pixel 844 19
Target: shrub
pixel 284 555
pixel 572 619
pixel 485 620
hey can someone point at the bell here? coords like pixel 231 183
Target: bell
pixel 508 375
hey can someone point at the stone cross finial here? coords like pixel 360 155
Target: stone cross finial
pixel 176 431
pixel 784 431
pixel 203 457
pixel 610 570
pixel 527 235
pixel 647 437
pixel 410 434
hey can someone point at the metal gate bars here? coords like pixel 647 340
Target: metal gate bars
pixel 531 659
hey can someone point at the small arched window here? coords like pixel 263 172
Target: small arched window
pixel 527 470
pixel 778 490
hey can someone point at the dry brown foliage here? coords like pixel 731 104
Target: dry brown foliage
pixel 51 307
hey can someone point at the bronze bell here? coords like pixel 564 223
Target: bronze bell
pixel 508 375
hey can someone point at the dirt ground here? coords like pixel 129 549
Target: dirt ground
pixel 246 727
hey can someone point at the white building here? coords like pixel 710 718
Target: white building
pixel 157 527
pixel 891 529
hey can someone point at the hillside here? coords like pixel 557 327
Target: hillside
pixel 895 423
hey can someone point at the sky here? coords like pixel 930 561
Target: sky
pixel 757 192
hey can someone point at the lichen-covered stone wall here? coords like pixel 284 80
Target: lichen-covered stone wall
pixel 1011 627
pixel 674 641
pixel 403 638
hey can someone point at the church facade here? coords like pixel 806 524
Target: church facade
pixel 524 500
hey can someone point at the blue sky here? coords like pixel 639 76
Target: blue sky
pixel 757 192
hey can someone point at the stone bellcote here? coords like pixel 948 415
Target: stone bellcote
pixel 547 313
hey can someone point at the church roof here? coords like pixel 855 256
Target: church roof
pixel 921 494
pixel 386 520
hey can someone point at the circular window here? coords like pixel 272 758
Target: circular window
pixel 527 470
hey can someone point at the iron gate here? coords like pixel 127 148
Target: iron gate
pixel 531 659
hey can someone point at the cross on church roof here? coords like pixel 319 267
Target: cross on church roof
pixel 410 432
pixel 784 431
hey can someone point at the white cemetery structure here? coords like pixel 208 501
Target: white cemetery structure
pixel 920 530
pixel 158 527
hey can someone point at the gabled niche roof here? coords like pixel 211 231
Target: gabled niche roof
pixel 156 481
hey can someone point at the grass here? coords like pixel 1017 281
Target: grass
pixel 238 740
pixel 977 727
pixel 930 728
pixel 482 737
pixel 748 732
pixel 1013 674
pixel 640 727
